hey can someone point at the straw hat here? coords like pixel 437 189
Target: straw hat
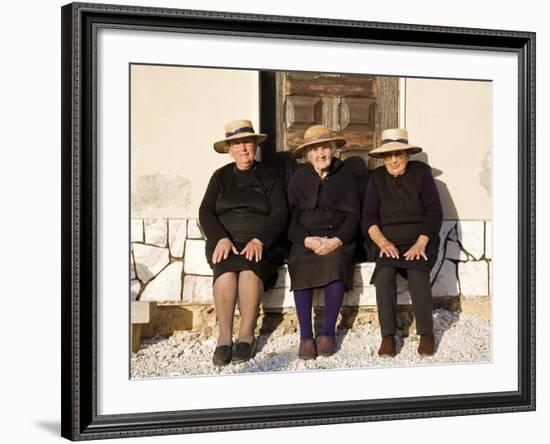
pixel 315 135
pixel 395 139
pixel 237 129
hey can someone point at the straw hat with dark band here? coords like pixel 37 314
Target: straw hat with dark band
pixel 238 129
pixel 317 135
pixel 395 139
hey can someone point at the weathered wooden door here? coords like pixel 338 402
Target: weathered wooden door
pixel 357 106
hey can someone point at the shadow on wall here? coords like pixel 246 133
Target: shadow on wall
pixel 449 207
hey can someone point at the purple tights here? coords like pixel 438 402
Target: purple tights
pixel 303 299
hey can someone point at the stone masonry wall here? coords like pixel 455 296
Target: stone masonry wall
pixel 168 264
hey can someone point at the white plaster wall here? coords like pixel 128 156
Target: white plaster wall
pixel 451 121
pixel 177 113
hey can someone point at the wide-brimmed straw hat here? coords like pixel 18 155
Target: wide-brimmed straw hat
pixel 394 139
pixel 237 129
pixel 316 135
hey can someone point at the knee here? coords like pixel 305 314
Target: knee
pixel 228 278
pixel 385 277
pixel 248 275
pixel 418 276
pixel 248 280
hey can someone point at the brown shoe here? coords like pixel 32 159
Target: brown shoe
pixel 426 346
pixel 387 347
pixel 326 345
pixel 307 349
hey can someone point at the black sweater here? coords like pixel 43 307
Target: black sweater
pixel 405 206
pixel 243 205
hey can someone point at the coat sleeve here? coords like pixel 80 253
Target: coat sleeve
pixel 371 208
pixel 433 213
pixel 210 224
pixel 346 233
pixel 348 230
pixel 296 232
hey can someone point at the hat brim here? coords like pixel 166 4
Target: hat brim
pixel 222 146
pixel 393 146
pixel 299 152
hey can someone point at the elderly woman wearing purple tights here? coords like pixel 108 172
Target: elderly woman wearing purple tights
pixel 325 216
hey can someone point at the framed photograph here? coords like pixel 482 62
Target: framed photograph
pixel 151 100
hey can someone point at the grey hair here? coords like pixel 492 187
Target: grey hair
pixel 333 148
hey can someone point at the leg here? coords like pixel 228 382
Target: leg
pixel 225 298
pixel 386 299
pixel 250 290
pixel 303 299
pixel 421 296
pixel 334 296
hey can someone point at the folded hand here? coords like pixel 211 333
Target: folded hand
pixel 328 245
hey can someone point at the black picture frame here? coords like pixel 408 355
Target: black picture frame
pixel 80 420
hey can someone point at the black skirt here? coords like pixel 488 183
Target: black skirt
pixel 309 270
pixel 266 269
pixel 432 250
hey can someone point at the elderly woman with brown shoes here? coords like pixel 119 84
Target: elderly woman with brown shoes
pixel 324 206
pixel 402 215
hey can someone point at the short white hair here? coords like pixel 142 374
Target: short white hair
pixel 332 144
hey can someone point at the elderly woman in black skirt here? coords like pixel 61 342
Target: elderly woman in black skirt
pixel 242 214
pixel 402 215
pixel 325 216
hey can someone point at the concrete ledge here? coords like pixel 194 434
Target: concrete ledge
pixel 142 312
pixel 173 317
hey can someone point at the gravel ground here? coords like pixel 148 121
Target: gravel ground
pixel 460 338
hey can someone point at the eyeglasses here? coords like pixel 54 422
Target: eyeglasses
pixel 242 142
pixel 388 156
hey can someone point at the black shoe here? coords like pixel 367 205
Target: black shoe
pixel 243 351
pixel 222 355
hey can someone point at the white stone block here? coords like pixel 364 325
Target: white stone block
pixel 166 286
pixel 197 290
pixel 283 278
pixel 403 297
pixel 156 232
pixel 446 283
pixel 447 227
pixel 278 298
pixel 474 278
pixel 471 236
pixel 149 260
pixel 195 259
pixel 142 312
pixel 452 235
pixel 360 296
pixel 132 267
pixel 135 287
pixel 136 230
pixel 363 273
pixel 489 239
pixel 454 251
pixel 177 231
pixel 194 230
